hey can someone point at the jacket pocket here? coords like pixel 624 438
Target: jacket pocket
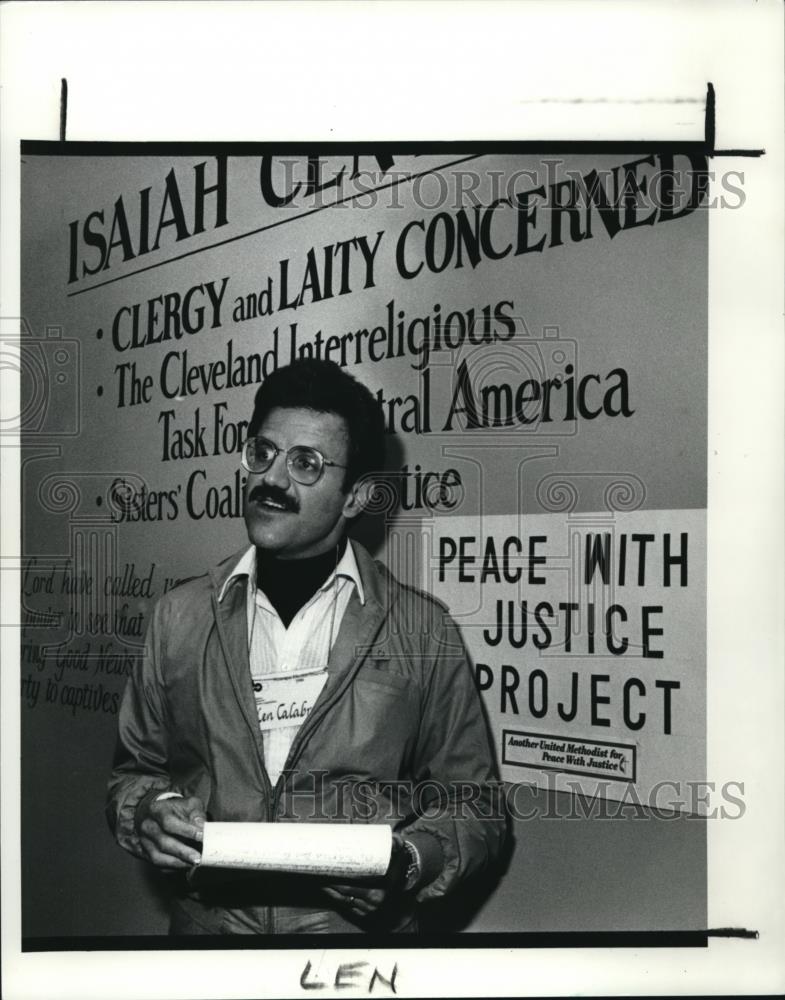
pixel 384 678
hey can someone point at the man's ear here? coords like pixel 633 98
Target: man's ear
pixel 359 496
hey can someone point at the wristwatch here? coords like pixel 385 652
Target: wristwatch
pixel 413 868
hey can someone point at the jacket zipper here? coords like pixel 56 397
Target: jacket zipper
pixel 269 920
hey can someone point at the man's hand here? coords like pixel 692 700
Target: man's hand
pixel 168 830
pixel 366 900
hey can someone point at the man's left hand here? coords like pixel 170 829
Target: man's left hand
pixel 366 900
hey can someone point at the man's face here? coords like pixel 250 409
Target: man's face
pixel 289 519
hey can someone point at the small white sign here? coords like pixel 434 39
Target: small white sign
pixel 616 761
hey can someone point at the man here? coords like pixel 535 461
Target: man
pixel 389 727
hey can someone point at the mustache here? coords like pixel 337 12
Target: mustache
pixel 260 493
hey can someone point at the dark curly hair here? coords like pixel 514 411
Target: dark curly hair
pixel 325 387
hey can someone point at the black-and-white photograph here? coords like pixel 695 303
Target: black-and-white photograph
pixel 366 545
pixel 357 498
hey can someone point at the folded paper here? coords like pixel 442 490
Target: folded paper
pixel 307 848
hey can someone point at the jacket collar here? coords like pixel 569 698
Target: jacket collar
pixel 245 568
pixel 373 576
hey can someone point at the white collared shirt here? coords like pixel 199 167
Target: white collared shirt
pixel 302 649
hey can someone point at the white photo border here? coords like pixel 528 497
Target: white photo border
pixel 599 70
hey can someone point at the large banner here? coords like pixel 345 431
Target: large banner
pixel 536 331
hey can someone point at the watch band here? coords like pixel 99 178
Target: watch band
pixel 413 868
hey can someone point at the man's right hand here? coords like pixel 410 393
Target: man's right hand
pixel 168 830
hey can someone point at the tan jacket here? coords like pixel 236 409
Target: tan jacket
pixel 396 736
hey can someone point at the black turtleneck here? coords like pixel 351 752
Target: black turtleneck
pixel 290 583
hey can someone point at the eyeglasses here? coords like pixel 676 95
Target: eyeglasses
pixel 305 465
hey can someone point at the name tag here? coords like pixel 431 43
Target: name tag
pixel 284 699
